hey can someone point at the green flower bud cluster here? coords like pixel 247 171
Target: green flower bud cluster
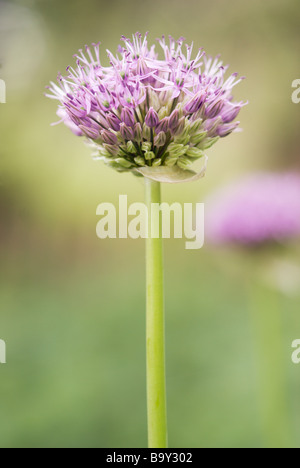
pixel 165 138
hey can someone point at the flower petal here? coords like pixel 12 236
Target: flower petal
pixel 171 175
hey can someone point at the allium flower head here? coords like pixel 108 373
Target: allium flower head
pixel 142 112
pixel 260 209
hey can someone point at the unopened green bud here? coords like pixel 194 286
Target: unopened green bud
pixel 130 147
pixel 112 164
pixel 211 131
pixel 138 132
pixel 156 163
pixel 140 161
pixel 103 152
pixel 198 138
pixel 183 140
pixel 176 150
pixel 123 163
pixel 179 107
pixel 120 138
pixel 187 130
pixel 149 155
pixel 113 150
pixel 184 163
pixel 154 99
pixel 146 132
pixel 146 146
pixel 194 152
pixel 209 142
pixel 195 126
pixel 170 161
pixel 160 139
pixel 162 113
pixel 179 128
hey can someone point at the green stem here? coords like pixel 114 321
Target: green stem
pixel 156 382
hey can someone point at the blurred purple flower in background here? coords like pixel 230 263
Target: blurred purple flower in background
pixel 261 208
pixel 143 110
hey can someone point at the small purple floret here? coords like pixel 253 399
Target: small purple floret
pixel 152 118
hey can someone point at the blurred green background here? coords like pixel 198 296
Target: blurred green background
pixel 72 306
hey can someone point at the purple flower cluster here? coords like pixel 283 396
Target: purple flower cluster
pixel 263 208
pixel 145 111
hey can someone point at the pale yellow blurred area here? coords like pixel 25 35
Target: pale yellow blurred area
pixel 72 306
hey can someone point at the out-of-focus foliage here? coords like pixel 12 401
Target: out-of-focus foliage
pixel 72 306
